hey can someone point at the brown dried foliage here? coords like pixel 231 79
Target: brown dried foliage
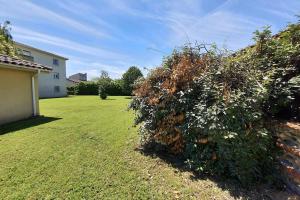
pixel 168 81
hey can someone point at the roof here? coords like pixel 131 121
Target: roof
pixel 74 81
pixel 22 63
pixel 42 51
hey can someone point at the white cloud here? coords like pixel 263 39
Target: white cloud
pixel 187 21
pixel 25 34
pixel 28 10
pixel 93 69
pixel 84 11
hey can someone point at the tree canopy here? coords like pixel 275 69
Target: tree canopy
pixel 129 77
pixel 6 40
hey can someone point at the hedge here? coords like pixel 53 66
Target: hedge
pixel 112 88
pixel 211 106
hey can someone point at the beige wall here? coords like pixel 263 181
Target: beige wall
pixel 16 94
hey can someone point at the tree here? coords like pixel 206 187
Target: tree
pixel 104 83
pixel 129 77
pixel 6 40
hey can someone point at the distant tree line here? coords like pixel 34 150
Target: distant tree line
pixel 104 85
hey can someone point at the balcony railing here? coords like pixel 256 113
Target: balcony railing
pixel 29 58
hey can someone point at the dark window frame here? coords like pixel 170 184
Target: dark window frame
pixel 55 62
pixel 57 88
pixel 56 75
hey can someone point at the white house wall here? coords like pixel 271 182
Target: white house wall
pixel 47 82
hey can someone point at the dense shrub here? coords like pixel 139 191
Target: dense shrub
pixel 279 59
pixel 211 106
pixel 114 88
pixel 110 86
pixel 86 88
pixel 102 92
pixel 71 90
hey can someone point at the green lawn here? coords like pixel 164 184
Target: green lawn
pixel 84 148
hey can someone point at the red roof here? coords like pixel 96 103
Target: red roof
pixel 22 63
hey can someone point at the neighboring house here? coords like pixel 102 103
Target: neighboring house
pixel 76 78
pixel 19 93
pixel 79 77
pixel 50 84
pixel 71 83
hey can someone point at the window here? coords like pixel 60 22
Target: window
pixel 56 75
pixel 26 53
pixel 55 62
pixel 56 89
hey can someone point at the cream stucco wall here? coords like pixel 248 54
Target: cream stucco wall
pixel 16 94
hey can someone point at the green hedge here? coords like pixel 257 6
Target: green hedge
pixel 86 88
pixel 112 88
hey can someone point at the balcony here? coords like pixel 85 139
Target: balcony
pixel 29 58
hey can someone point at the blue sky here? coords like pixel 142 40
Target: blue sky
pixel 112 35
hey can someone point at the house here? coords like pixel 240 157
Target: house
pixel 19 93
pixel 51 84
pixel 79 77
pixel 71 83
pixel 76 78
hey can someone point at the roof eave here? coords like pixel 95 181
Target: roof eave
pixel 24 68
pixel 43 51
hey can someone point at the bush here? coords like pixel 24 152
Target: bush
pixel 114 88
pixel 111 87
pixel 207 108
pixel 212 106
pixel 86 88
pixel 71 90
pixel 279 58
pixel 102 92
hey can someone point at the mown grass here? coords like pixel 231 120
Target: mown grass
pixel 84 148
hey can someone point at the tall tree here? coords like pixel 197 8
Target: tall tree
pixel 6 40
pixel 129 77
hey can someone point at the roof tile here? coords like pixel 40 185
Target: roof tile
pixel 19 62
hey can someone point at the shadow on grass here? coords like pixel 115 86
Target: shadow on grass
pixel 27 123
pixel 258 192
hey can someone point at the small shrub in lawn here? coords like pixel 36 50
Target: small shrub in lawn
pixel 102 92
pixel 211 105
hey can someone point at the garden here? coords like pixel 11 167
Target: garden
pixel 205 120
pixel 81 150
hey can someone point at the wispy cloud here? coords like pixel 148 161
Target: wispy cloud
pixel 29 9
pixel 281 9
pixel 25 34
pixel 93 69
pixel 87 12
pixel 187 21
pixel 115 34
